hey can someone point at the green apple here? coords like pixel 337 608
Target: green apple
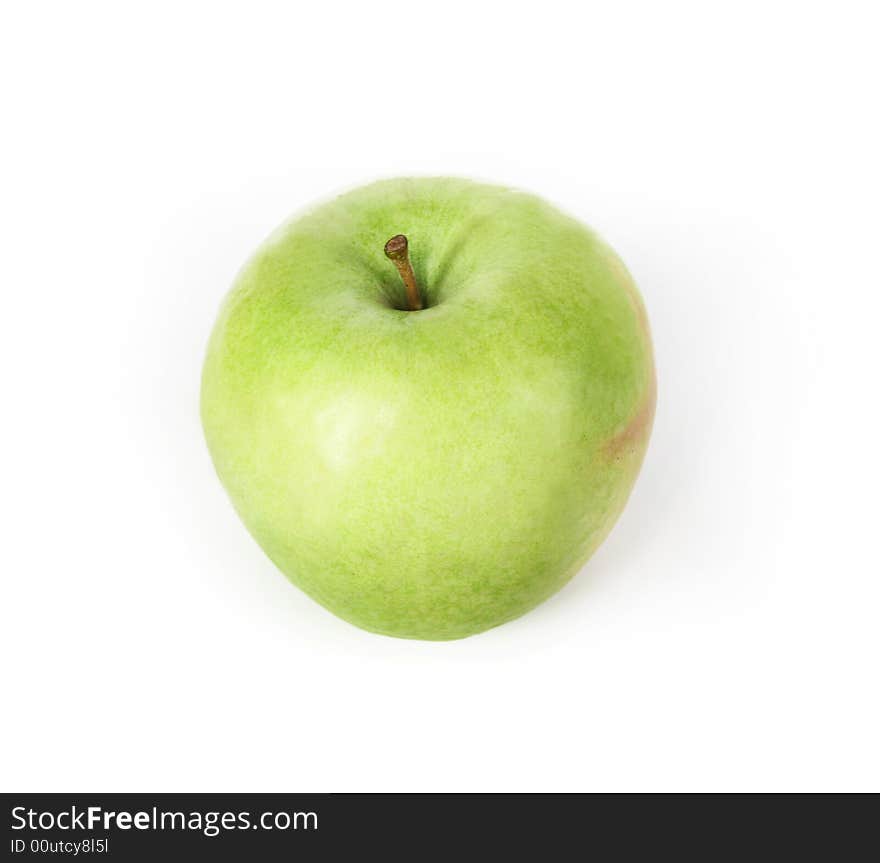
pixel 430 473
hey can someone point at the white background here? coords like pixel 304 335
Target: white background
pixel 724 637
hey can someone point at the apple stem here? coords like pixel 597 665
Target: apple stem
pixel 397 251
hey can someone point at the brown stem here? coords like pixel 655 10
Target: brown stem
pixel 397 251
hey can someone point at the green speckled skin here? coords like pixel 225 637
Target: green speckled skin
pixel 430 474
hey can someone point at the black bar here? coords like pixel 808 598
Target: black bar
pixel 267 827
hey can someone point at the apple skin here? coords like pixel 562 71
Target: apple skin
pixel 430 474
